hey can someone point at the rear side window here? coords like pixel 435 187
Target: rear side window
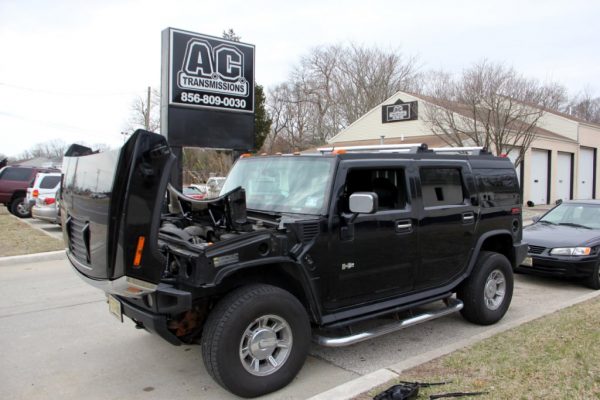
pixel 16 174
pixel 49 182
pixel 441 187
pixel 498 187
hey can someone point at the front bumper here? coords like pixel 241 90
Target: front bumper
pixel 568 267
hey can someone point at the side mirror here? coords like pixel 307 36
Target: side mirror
pixel 363 202
pixel 536 218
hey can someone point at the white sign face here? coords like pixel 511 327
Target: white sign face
pixel 399 112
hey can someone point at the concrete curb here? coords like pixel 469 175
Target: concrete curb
pixel 367 382
pixel 27 258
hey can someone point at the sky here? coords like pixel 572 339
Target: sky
pixel 70 70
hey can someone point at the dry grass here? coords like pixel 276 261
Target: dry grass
pixel 555 357
pixel 18 238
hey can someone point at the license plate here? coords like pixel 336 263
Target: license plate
pixel 114 307
pixel 527 262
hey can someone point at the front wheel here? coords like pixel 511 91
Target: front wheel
pixel 256 340
pixel 487 293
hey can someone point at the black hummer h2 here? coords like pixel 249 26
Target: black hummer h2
pixel 295 247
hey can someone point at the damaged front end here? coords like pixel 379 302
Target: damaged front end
pixel 161 256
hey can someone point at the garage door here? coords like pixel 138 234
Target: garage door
pixel 538 189
pixel 564 175
pixel 585 182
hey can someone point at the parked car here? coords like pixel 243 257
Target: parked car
pixel 193 192
pixel 295 248
pixel 14 181
pixel 566 242
pixel 45 183
pixel 46 208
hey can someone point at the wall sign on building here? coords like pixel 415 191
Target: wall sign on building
pixel 399 111
pixel 209 87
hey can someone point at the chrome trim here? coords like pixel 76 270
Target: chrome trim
pixel 124 286
pixel 453 306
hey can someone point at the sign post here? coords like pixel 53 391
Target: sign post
pixel 207 93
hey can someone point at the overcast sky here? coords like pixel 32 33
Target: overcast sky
pixel 70 69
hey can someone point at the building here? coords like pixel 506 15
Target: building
pixel 561 162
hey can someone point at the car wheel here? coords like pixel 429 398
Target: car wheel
pixel 19 208
pixel 594 280
pixel 487 293
pixel 255 340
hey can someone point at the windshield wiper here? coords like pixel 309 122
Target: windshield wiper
pixel 574 225
pixel 546 222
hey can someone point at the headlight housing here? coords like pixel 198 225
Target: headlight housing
pixel 571 251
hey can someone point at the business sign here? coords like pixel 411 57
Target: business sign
pixel 211 72
pixel 399 111
pixel 210 87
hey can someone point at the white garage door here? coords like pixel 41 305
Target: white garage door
pixel 538 191
pixel 563 176
pixel 585 182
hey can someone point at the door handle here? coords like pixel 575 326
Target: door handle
pixel 403 226
pixel 468 218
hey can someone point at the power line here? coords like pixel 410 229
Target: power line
pixel 52 92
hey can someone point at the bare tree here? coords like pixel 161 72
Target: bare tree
pixel 330 88
pixel 53 149
pixel 145 115
pixel 488 105
pixel 585 106
pixel 200 164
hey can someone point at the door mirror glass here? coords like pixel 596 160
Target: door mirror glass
pixel 363 202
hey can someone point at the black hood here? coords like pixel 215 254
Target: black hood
pixel 547 235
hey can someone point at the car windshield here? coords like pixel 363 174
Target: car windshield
pixel 574 214
pixel 283 184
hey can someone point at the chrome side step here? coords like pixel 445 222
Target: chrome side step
pixel 453 305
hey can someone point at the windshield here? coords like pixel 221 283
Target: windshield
pixel 283 184
pixel 584 215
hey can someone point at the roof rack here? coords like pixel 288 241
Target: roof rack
pixel 405 148
pixel 378 148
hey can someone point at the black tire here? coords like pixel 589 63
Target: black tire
pixel 19 208
pixel 480 293
pixel 224 340
pixel 593 281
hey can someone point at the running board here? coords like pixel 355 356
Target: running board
pixel 453 305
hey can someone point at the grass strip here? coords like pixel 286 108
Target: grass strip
pixel 18 238
pixel 554 357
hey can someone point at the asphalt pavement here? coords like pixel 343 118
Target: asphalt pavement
pixel 59 341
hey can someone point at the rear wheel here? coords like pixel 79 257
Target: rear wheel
pixel 19 208
pixel 487 293
pixel 594 280
pixel 256 340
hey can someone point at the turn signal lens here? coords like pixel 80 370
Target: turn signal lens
pixel 138 251
pixel 35 193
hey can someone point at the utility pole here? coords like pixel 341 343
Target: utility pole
pixel 147 116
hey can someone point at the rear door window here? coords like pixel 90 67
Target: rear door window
pixel 441 187
pixel 49 182
pixel 16 174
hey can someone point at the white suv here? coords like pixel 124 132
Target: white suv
pixel 41 197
